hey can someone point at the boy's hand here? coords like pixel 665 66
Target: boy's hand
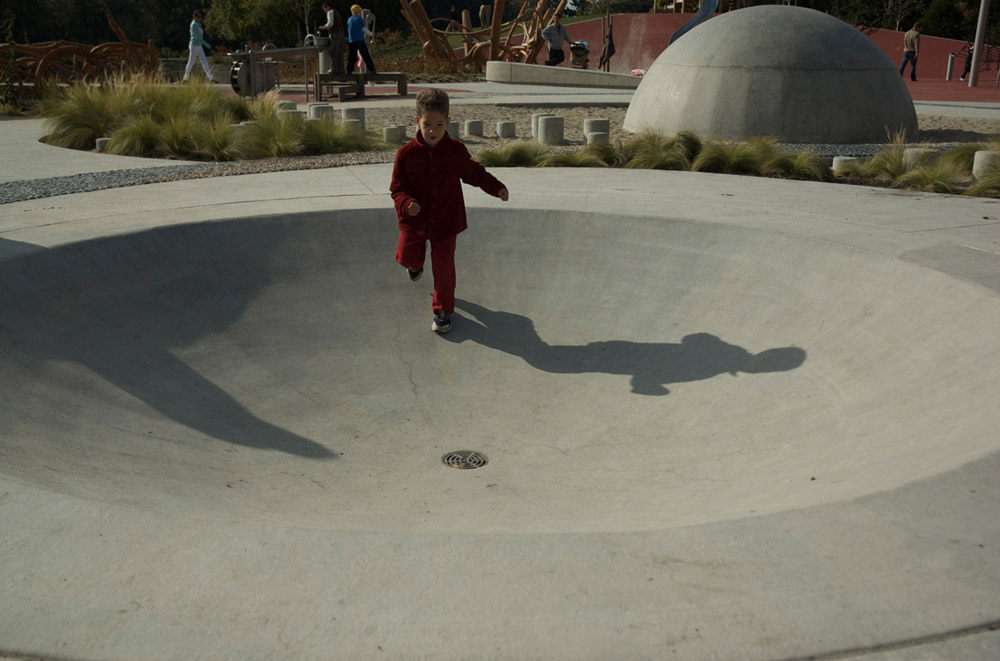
pixel 413 209
pixel 503 194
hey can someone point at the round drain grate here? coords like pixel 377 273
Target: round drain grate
pixel 465 459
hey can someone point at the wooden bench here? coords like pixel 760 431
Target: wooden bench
pixel 346 84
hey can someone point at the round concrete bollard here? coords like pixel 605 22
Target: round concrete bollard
pixel 452 130
pixel 353 124
pixel 101 145
pixel 597 136
pixel 839 161
pixel 914 156
pixel 394 135
pixel 534 121
pixel 474 127
pixel 320 111
pixel 551 130
pixel 354 113
pixel 285 105
pixel 594 125
pixel 984 162
pixel 507 129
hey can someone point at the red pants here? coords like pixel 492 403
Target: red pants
pixel 411 252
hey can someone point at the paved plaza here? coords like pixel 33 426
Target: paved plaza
pixel 725 417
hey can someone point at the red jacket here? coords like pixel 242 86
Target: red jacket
pixel 433 176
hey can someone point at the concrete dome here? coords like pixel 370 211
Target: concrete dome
pixel 794 74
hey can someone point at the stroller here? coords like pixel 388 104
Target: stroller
pixel 578 55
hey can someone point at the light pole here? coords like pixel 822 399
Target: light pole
pixel 977 53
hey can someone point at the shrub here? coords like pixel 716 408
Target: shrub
pixel 732 158
pixel 802 165
pixel 652 150
pixel 331 137
pixel 937 176
pixel 140 136
pixel 572 159
pixel 524 153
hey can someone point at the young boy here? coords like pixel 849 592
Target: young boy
pixel 427 191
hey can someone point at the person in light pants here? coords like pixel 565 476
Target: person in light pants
pixel 198 46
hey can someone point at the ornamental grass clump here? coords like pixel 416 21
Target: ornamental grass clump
pixel 572 159
pixel 652 150
pixel 77 116
pixel 610 155
pixel 272 136
pixel 326 136
pixel 802 165
pixel 140 136
pixel 217 138
pixel 962 156
pixel 521 154
pixel 934 176
pixel 729 158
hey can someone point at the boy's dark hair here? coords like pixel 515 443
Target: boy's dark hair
pixel 432 100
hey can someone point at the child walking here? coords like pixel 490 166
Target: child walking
pixel 427 190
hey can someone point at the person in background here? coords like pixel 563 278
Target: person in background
pixel 453 16
pixel 911 50
pixel 335 29
pixel 485 12
pixel 356 41
pixel 968 62
pixel 198 46
pixel 555 34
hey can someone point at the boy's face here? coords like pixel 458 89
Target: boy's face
pixel 433 125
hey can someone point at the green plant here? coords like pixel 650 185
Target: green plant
pixel 572 159
pixel 217 137
pixel 8 87
pixel 962 156
pixel 272 136
pixel 802 165
pixel 83 113
pixel 175 135
pixel 652 150
pixel 140 136
pixel 331 137
pixel 524 153
pixel 731 158
pixel 937 176
pixel 609 154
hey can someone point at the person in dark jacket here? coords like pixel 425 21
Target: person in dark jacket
pixel 427 193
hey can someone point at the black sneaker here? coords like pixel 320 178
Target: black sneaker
pixel 442 322
pixel 415 275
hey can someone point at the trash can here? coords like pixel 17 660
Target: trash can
pixel 578 55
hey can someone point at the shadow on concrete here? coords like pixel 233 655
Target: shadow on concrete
pixel 119 306
pixel 10 248
pixel 651 365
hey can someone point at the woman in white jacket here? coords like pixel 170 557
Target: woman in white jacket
pixel 198 46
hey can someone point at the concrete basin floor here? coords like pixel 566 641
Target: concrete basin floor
pixel 725 417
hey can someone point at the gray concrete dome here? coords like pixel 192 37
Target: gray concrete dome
pixel 794 74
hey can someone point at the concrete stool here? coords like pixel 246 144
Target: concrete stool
pixel 507 129
pixel 839 161
pixel 474 127
pixel 550 130
pixel 452 130
pixel 300 114
pixel 534 121
pixel 594 125
pixel 248 123
pixel 320 111
pixel 354 113
pixel 597 136
pixel 984 162
pixel 394 135
pixel 101 145
pixel 914 156
pixel 353 124
pixel 285 105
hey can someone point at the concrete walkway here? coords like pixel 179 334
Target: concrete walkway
pixel 725 417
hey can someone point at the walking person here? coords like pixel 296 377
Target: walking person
pixel 356 43
pixel 427 193
pixel 198 46
pixel 911 50
pixel 555 34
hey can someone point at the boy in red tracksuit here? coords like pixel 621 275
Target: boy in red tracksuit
pixel 427 190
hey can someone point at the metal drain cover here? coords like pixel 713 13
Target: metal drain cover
pixel 465 459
